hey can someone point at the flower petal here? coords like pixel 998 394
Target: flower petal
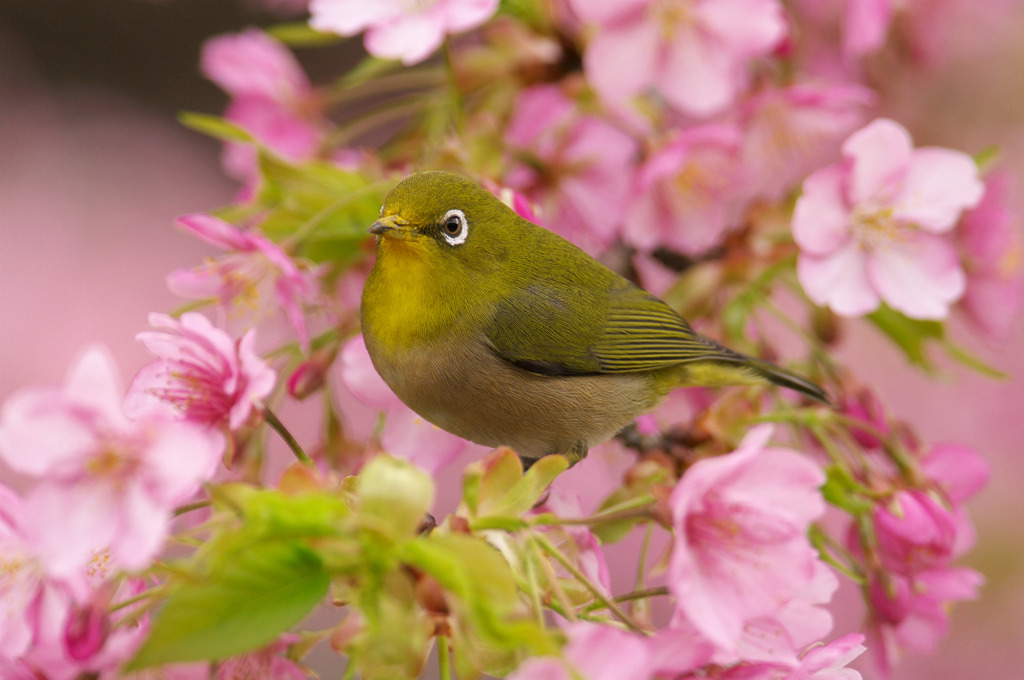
pixel 919 276
pixel 821 218
pixel 878 155
pixel 939 185
pixel 838 280
pixel 619 63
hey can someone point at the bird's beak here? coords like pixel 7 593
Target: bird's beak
pixel 392 225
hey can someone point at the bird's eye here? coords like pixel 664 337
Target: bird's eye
pixel 454 227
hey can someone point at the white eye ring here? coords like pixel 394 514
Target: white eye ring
pixel 453 218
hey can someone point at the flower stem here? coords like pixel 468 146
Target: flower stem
pixel 444 659
pixel 281 430
pixel 622 616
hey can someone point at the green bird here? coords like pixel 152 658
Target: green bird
pixel 504 333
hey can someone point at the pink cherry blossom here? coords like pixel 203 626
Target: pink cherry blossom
pixel 958 470
pixel 695 53
pixel 689 193
pixel 993 259
pixel 801 621
pixel 400 29
pixel 251 63
pixel 256 276
pixel 52 627
pixel 914 532
pixel 862 404
pixel 272 99
pixel 789 132
pixel 101 479
pixel 874 228
pixel 575 166
pixel 819 662
pixel 203 374
pixel 865 24
pixel 405 434
pixel 741 551
pixel 921 619
pixel 594 652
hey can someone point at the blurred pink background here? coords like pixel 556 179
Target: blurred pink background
pixel 94 168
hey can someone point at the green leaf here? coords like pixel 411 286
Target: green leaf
pixel 987 158
pixel 972 362
pixel 271 514
pixel 264 590
pixel 497 487
pixel 324 209
pixel 215 126
pixel 531 486
pixel 842 492
pixel 910 335
pixel 301 34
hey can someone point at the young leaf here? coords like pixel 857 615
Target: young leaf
pixel 267 588
pixel 301 34
pixel 910 335
pixel 214 126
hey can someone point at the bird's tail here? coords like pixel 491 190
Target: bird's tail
pixel 783 378
pixel 723 366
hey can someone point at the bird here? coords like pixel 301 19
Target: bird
pixel 504 333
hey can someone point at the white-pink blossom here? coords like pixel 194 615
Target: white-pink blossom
pixel 695 53
pixel 875 227
pixel 271 98
pixel 575 166
pixel 203 374
pixel 255 277
pixel 400 29
pixel 594 652
pixel 741 551
pixel 101 480
pixel 689 193
pixel 789 132
pixel 993 252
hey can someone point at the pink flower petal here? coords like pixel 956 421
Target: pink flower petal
pixel 463 15
pixel 746 27
pixel 94 379
pixel 348 17
pixel 697 77
pixel 142 529
pixel 939 185
pixel 411 38
pixel 920 276
pixel 865 24
pixel 838 280
pixel 621 63
pixel 67 523
pixel 407 435
pixel 959 469
pixel 608 12
pixel 821 218
pixel 181 456
pixel 878 154
pixel 39 436
pixel 253 63
pixel 215 231
pixel 362 379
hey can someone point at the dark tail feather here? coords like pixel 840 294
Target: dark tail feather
pixel 783 378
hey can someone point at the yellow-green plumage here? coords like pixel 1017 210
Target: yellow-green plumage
pixel 515 336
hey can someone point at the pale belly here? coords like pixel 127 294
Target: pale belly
pixel 470 392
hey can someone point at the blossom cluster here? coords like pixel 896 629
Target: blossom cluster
pixel 722 153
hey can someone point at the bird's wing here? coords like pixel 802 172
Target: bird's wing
pixel 576 330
